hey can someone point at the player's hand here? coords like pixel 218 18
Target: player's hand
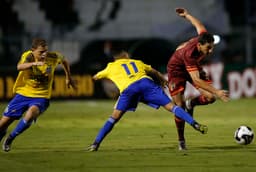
pixel 181 12
pixel 95 78
pixel 223 95
pixel 71 83
pixel 164 83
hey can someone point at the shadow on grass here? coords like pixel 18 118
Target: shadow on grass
pixel 148 149
pixel 228 147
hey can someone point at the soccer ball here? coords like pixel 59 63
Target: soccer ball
pixel 244 135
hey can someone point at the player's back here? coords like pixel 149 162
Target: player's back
pixel 124 72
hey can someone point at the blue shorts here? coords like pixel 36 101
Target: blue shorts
pixel 144 90
pixel 20 104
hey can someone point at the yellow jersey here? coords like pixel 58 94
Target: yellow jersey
pixel 37 80
pixel 124 72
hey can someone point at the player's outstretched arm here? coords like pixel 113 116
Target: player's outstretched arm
pixel 28 65
pixel 193 20
pixel 221 94
pixel 69 81
pixel 100 75
pixel 158 76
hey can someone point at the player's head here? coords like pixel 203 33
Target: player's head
pixel 120 54
pixel 205 43
pixel 39 48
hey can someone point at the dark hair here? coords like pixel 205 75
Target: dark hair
pixel 116 52
pixel 205 38
pixel 38 42
pixel 120 55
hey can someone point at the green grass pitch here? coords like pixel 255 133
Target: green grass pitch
pixel 144 140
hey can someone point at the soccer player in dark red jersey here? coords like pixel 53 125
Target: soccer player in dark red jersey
pixel 184 65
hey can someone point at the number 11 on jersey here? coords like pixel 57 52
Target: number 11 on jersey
pixel 127 70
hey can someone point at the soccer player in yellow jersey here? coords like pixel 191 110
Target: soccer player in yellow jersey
pixel 132 77
pixel 32 88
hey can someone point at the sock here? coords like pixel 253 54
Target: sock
pixel 190 111
pixel 2 134
pixel 201 100
pixel 179 112
pixel 21 126
pixel 105 130
pixel 180 125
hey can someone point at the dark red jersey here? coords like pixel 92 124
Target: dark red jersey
pixel 186 58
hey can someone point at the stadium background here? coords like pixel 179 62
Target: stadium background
pixel 85 31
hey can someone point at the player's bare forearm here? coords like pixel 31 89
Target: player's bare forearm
pixel 193 20
pixel 204 85
pixel 69 81
pixel 158 76
pixel 222 94
pixel 27 65
pixel 201 83
pixel 66 68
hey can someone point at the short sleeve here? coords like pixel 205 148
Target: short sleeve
pixel 103 73
pixel 26 57
pixel 146 66
pixel 60 57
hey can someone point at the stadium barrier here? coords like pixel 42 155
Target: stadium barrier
pixel 238 79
